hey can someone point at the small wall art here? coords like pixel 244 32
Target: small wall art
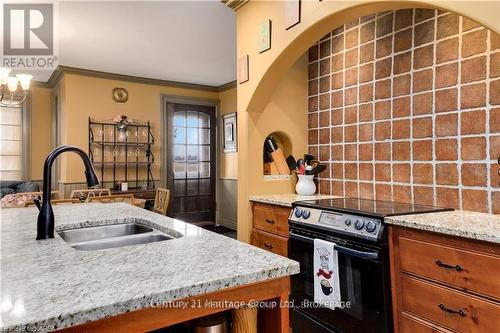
pixel 292 13
pixel 230 133
pixel 243 69
pixel 265 36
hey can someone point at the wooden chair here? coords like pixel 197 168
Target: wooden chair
pixel 162 199
pixel 89 193
pixel 58 202
pixel 128 198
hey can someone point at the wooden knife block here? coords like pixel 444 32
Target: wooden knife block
pixel 280 162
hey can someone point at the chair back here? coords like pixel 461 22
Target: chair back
pixel 162 199
pixel 58 202
pixel 128 198
pixel 89 193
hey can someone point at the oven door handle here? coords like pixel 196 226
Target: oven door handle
pixel 342 249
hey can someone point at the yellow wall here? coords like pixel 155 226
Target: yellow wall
pixel 41 129
pixel 228 163
pixel 267 70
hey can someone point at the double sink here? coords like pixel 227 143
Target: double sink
pixel 114 235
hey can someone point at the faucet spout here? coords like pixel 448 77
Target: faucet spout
pixel 45 223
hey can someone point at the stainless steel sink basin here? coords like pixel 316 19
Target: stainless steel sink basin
pixel 105 231
pixel 112 236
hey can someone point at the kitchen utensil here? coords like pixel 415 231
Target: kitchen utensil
pixel 307 170
pixel 292 163
pixel 308 158
pixel 318 169
pixel 300 167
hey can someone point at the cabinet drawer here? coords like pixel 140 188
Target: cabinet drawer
pixel 441 305
pixel 408 324
pixel 271 219
pixel 453 266
pixel 270 242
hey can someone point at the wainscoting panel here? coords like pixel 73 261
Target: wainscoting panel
pixel 226 203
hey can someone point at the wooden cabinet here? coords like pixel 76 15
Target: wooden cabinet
pixel 442 283
pixel 270 228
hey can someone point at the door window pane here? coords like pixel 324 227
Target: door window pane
pixel 204 136
pixel 179 153
pixel 179 187
pixel 192 187
pixel 204 169
pixel 11 143
pixel 204 186
pixel 192 119
pixel 179 170
pixel 179 135
pixel 192 170
pixel 192 136
pixel 204 120
pixel 192 153
pixel 204 153
pixel 180 118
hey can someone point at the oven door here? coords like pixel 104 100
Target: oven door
pixel 363 284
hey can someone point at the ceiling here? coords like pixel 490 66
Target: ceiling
pixel 185 41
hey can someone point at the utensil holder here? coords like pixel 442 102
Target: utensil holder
pixel 305 185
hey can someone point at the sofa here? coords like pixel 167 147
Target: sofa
pixel 13 186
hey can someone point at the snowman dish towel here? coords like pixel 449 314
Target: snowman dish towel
pixel 326 274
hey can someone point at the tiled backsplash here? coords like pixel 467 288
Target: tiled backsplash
pixel 405 106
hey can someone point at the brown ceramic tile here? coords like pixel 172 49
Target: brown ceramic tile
pixel 474 174
pixel 324 84
pixel 447 50
pixel 352 24
pixel 313 53
pixel 366 53
pixel 383 151
pixel 401 194
pixel 351 115
pixel 367 32
pixel 351 77
pixel 337 170
pixel 422 127
pixel 367 18
pixel 383 68
pixel 324 153
pixel 495 147
pixel 403 40
pixel 401 85
pixel 402 63
pixel 324 136
pixel 422 103
pixel 337 62
pixel 351 189
pixel 423 195
pixel 351 133
pixel 423 14
pixel 446 125
pixel 312 120
pixel 473 148
pixel 383 110
pixel 401 173
pixel 337 98
pixel 422 173
pixel 446 100
pixel 447 75
pixel 351 152
pixel 365 132
pixel 447 25
pixel 473 95
pixel 324 66
pixel 365 112
pixel 384 47
pixel 366 72
pixel 324 101
pixel 313 69
pixel 324 49
pixel 424 33
pixel 423 56
pixel 312 87
pixel 383 172
pixel 495 175
pixel 401 151
pixel 401 107
pixel 446 174
pixel 313 150
pixel 337 117
pixel 447 197
pixel 351 38
pixel 446 150
pixel 495 65
pixel 366 152
pixel 337 80
pixel 473 122
pixel 475 200
pixel 468 24
pixel 337 153
pixel 495 120
pixel 366 191
pixel 351 58
pixel 338 188
pixel 495 202
pixel 383 130
pixel 351 171
pixel 338 30
pixel 494 41
pixel 327 36
pixel 324 119
pixel 366 92
pixel 337 134
pixel 401 129
pixel 422 150
pixel 312 104
pixel 384 25
pixel 473 43
pixel 324 187
pixel 473 69
pixel 422 80
pixel 351 96
pixel 365 171
pixel 403 18
pixel 495 92
pixel 383 192
pixel 312 137
pixel 383 89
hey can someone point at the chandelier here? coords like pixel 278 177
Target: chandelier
pixel 10 94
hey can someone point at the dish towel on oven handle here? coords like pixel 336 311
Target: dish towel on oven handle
pixel 326 274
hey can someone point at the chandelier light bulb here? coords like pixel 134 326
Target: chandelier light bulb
pixel 12 83
pixel 24 80
pixel 4 74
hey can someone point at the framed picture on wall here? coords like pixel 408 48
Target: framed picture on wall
pixel 265 36
pixel 229 133
pixel 243 69
pixel 292 13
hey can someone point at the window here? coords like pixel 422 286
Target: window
pixel 12 143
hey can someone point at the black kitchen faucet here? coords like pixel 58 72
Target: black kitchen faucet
pixel 45 223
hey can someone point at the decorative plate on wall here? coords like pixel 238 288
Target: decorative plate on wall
pixel 120 95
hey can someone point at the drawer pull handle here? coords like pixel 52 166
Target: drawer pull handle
pixel 270 221
pixel 268 246
pixel 458 268
pixel 458 312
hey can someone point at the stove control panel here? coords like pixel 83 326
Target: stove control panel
pixel 359 226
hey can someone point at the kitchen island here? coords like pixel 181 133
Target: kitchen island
pixel 49 285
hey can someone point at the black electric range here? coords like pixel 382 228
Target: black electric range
pixel 356 227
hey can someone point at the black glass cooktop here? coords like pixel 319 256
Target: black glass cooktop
pixel 369 207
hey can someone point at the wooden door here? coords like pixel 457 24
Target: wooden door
pixel 191 161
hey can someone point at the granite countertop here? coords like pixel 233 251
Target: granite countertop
pixel 473 225
pixel 286 200
pixel 49 285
